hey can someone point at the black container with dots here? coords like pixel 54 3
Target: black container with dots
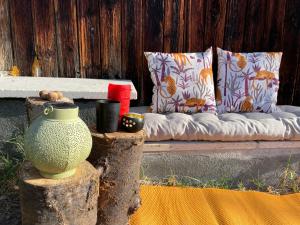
pixel 132 122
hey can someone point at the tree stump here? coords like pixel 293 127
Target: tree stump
pixel 34 106
pixel 69 201
pixel 118 155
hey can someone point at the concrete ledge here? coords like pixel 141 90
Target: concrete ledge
pixel 207 161
pixel 74 88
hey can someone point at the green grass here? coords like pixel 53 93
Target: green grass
pixel 10 163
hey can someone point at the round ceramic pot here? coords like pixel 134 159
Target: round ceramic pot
pixel 132 122
pixel 58 141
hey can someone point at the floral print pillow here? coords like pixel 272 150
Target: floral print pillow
pixel 247 82
pixel 183 82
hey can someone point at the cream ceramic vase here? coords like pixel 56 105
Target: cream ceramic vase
pixel 58 141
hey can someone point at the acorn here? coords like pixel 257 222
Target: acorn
pixel 53 96
pixel 44 94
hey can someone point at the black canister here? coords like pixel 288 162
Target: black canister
pixel 107 115
pixel 132 122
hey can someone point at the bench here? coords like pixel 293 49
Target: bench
pixel 242 147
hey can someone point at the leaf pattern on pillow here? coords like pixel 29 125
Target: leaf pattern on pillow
pixel 183 82
pixel 247 82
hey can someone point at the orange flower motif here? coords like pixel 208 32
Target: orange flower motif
pixel 264 74
pixel 205 74
pixel 247 104
pixel 192 102
pixel 242 62
pixel 171 86
pixel 181 58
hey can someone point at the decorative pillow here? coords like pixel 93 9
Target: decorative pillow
pixel 247 82
pixel 183 82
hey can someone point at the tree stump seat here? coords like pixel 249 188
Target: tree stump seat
pixel 118 155
pixel 69 201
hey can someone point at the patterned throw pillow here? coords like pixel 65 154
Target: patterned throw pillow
pixel 247 82
pixel 183 82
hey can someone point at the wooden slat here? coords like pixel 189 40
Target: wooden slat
pixel 45 36
pixel 195 25
pixel 291 51
pixel 235 24
pixel 296 91
pixel 110 12
pixel 22 35
pixel 88 16
pixel 296 85
pixel 132 42
pixel 67 39
pixel 254 26
pixel 274 147
pixel 153 41
pixel 6 54
pixel 214 28
pixel 215 23
pixel 273 28
pixel 174 28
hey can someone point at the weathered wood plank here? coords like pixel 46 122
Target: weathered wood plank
pixel 214 28
pixel 88 16
pixel 110 12
pixel 67 39
pixel 295 26
pixel 132 42
pixel 296 89
pixel 222 147
pixel 291 51
pixel 235 25
pixel 254 26
pixel 215 23
pixel 22 35
pixel 45 36
pixel 6 53
pixel 273 28
pixel 174 25
pixel 153 41
pixel 195 25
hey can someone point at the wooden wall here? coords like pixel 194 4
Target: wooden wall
pixel 107 38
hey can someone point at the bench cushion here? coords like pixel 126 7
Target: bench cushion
pixel 282 125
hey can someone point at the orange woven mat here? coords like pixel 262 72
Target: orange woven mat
pixel 197 206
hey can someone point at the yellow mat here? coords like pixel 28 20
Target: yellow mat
pixel 196 206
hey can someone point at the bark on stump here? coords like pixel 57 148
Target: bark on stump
pixel 34 107
pixel 118 156
pixel 69 201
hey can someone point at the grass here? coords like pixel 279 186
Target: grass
pixel 10 164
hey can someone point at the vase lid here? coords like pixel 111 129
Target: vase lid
pixel 62 105
pixel 60 110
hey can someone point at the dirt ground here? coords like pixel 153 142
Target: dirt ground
pixel 10 213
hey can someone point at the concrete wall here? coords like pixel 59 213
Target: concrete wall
pixel 13 119
pixel 266 168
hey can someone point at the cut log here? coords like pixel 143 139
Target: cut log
pixel 119 156
pixel 69 201
pixel 34 107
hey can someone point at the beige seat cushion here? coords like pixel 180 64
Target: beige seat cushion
pixel 283 125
